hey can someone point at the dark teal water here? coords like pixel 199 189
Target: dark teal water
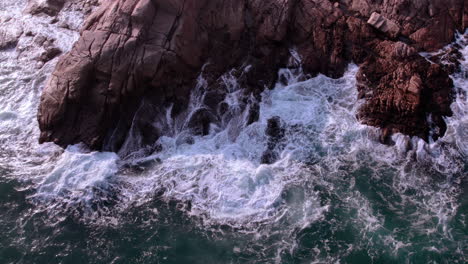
pixel 31 235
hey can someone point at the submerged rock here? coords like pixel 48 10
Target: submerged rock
pixel 130 50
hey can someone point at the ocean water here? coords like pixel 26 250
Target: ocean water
pixel 332 195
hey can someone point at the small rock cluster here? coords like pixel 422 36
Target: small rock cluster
pixel 30 43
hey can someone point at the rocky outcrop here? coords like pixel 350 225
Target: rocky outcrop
pixel 275 133
pixel 403 92
pixel 39 38
pixel 137 62
pixel 48 7
pixel 9 36
pixel 383 24
pixel 53 7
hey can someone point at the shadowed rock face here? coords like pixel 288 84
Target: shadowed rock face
pixel 144 56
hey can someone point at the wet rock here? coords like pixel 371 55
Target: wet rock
pixel 449 58
pixel 48 7
pixel 254 113
pixel 10 34
pixel 39 40
pixel 6 19
pixel 268 157
pixel 401 91
pixel 213 98
pixel 130 50
pixel 148 124
pixel 386 136
pixel 274 129
pixel 64 25
pixel 185 138
pixel 275 133
pixel 49 54
pixel 200 120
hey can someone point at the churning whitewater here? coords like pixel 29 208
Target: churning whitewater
pixel 332 193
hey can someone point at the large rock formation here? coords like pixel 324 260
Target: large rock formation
pixel 138 59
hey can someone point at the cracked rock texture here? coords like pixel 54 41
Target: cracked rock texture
pixel 136 58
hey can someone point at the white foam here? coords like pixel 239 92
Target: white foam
pixel 20 89
pixel 78 171
pixel 225 180
pixel 222 178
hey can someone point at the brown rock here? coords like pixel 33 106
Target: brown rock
pixel 400 92
pixel 48 7
pixel 402 50
pixel 383 24
pixel 415 85
pixel 141 50
pixel 49 54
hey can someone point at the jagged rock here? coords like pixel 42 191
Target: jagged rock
pixel 449 58
pixel 383 24
pixel 48 7
pixel 130 50
pixel 275 133
pixel 50 50
pixel 274 129
pixel 200 120
pixel 400 92
pixel 39 39
pixel 213 98
pixel 64 24
pixel 49 54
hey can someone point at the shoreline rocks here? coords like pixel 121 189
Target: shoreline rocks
pixel 140 50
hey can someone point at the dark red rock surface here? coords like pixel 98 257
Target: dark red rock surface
pixel 151 51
